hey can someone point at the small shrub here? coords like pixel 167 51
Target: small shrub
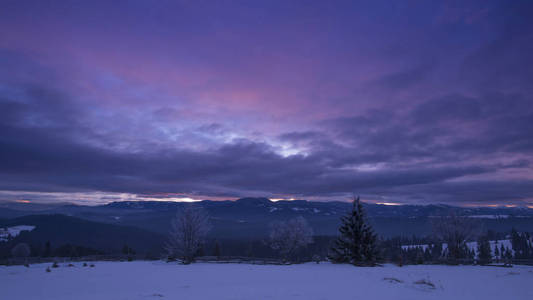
pixel 55 265
pixel 425 282
pixel 393 280
pixel 21 250
pixel 316 258
pixel 70 265
pixel 399 264
pixel 85 264
pixel 130 258
pixel 48 270
pixel 398 260
pixel 91 265
pixel 27 265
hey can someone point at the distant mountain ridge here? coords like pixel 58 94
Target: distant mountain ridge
pixel 335 206
pixel 250 217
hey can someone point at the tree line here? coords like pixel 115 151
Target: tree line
pixel 356 243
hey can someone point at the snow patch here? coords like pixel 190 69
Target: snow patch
pixel 13 231
pixel 489 216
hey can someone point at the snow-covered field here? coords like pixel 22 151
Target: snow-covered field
pixel 159 280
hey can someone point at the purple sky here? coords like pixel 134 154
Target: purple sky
pixel 399 101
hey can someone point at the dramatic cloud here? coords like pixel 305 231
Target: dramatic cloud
pixel 418 103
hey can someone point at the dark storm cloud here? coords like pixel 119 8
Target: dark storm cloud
pixel 304 136
pixel 453 124
pixel 490 124
pixel 46 155
pixel 453 136
pixel 478 192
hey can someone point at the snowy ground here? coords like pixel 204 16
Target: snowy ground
pixel 159 280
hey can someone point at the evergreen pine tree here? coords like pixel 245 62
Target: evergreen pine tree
pixel 427 254
pixel 508 254
pixel 529 243
pixel 516 243
pixel 483 250
pixel 216 251
pixel 47 249
pixel 436 251
pixel 419 255
pixel 470 253
pixel 357 241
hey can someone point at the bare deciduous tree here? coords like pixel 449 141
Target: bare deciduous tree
pixel 21 250
pixel 456 231
pixel 287 237
pixel 187 233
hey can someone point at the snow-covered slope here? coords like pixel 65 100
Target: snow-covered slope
pixel 158 280
pixel 14 231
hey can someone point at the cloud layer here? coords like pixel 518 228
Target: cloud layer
pixel 420 103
